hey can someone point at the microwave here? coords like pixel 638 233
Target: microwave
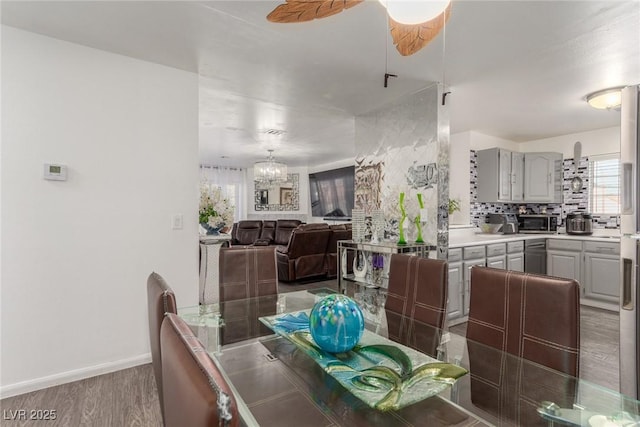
pixel 537 224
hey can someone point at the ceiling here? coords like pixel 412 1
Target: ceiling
pixel 517 70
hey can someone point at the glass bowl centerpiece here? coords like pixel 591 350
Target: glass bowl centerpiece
pixel 336 323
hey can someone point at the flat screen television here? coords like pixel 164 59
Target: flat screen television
pixel 332 192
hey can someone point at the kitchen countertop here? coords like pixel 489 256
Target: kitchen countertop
pixel 460 237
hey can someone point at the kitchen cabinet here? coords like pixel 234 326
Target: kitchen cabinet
pixel 515 262
pixel 542 177
pixel 517 177
pixel 500 175
pixel 496 257
pixel 602 271
pixel 564 258
pixel 472 256
pixel 455 291
pixel 506 176
pixel 515 256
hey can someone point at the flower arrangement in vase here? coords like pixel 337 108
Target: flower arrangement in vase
pixel 216 212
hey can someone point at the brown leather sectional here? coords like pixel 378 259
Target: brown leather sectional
pixel 263 233
pixel 302 250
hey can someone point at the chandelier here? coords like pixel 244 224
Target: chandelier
pixel 269 171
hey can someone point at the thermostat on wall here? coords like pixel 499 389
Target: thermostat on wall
pixel 55 172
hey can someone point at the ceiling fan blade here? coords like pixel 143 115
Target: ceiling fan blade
pixel 307 10
pixel 411 38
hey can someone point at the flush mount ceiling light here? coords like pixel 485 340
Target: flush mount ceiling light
pixel 606 99
pixel 413 23
pixel 269 171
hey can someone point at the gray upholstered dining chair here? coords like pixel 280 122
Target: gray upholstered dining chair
pixel 417 301
pixel 160 300
pixel 196 394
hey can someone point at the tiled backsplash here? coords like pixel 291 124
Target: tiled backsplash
pixel 573 201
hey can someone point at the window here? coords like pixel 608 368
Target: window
pixel 604 177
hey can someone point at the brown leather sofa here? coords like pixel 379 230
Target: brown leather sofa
pixel 263 233
pixel 305 253
pixel 246 232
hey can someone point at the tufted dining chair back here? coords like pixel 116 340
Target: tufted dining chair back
pixel 196 394
pixel 417 301
pixel 535 317
pixel 160 300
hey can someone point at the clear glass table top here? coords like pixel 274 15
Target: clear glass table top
pixel 277 384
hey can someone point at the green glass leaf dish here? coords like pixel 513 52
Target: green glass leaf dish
pixel 383 374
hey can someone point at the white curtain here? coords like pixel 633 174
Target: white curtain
pixel 232 182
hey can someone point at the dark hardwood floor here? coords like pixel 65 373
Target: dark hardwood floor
pixel 129 397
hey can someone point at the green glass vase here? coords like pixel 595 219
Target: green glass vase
pixel 403 217
pixel 418 220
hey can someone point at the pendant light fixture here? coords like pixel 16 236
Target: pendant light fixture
pixel 269 171
pixel 606 99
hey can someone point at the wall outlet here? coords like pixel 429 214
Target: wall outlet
pixel 176 222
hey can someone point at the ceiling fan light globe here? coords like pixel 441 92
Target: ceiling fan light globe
pixel 412 12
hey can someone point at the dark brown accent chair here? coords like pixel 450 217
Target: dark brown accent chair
pixel 531 316
pixel 416 302
pixel 247 272
pixel 338 232
pixel 160 300
pixel 246 232
pixel 304 255
pixel 196 393
pixel 284 228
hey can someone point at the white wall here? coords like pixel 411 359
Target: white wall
pixel 601 141
pixel 76 254
pixel 459 146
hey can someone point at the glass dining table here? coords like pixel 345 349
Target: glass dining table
pixel 276 383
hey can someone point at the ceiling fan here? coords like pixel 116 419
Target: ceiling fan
pixel 408 37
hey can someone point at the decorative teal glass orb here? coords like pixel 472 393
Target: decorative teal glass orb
pixel 336 323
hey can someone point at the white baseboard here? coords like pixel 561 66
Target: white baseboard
pixel 70 376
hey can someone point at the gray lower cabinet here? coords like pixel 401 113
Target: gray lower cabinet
pixel 602 271
pixel 497 262
pixel 564 264
pixel 564 259
pixel 455 291
pixel 515 261
pixel 467 265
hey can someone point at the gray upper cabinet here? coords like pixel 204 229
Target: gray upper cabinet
pixel 517 177
pixel 494 175
pixel 502 175
pixel 542 177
